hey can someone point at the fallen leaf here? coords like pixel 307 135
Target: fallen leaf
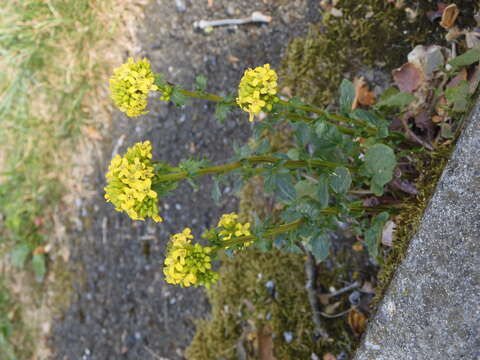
pixel 324 299
pixel 363 95
pixel 422 120
pixel 329 356
pixel 387 233
pixel 408 77
pixel 437 119
pixel 265 344
pixel 92 133
pixel 472 39
pixel 453 33
pixel 428 59
pixel 330 309
pixel 367 288
pixel 39 250
pixel 404 186
pixel 357 321
pixel 474 80
pixel 459 77
pixel 358 246
pixel 233 59
pixel 449 15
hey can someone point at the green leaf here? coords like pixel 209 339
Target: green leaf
pixel 305 188
pixel 340 180
pixel 177 97
pixel 320 245
pixel 221 112
pixel 200 83
pixel 321 128
pixel 322 191
pixel 302 133
pixel 380 163
pixel 373 235
pixel 458 96
pixel 38 264
pixel 347 95
pixel 19 255
pixel 395 99
pixel 467 58
pixel 283 187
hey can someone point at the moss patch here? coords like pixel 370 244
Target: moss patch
pixel 370 32
pixel 242 303
pixel 430 166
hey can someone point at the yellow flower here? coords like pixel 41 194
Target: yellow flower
pixel 188 264
pixel 130 86
pixel 230 227
pixel 129 186
pixel 257 90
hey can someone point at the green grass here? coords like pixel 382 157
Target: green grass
pixel 50 68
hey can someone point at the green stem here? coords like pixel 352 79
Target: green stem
pixel 220 169
pixel 295 224
pixel 333 117
pixel 269 233
pixel 202 95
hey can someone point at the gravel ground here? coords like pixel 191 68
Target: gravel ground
pixel 124 309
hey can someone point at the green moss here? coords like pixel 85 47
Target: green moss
pixel 370 32
pixel 430 166
pixel 242 304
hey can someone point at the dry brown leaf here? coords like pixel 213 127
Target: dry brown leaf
pixel 39 250
pixel 474 80
pixel 408 77
pixel 233 59
pixel 329 356
pixel 363 95
pixel 324 299
pixel 265 344
pixel 472 39
pixel 358 246
pixel 92 133
pixel 449 15
pixel 357 321
pixel 367 287
pixel 387 234
pixel 437 119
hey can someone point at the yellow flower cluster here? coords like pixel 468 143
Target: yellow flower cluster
pixel 129 185
pixel 130 85
pixel 257 90
pixel 188 264
pixel 229 226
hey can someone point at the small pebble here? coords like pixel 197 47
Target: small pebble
pixel 180 5
pixel 288 336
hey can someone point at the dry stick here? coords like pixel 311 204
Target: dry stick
pixel 311 286
pixel 355 285
pixel 413 136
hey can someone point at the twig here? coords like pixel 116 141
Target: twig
pixel 413 136
pixel 158 357
pixel 355 285
pixel 335 315
pixel 254 18
pixel 311 286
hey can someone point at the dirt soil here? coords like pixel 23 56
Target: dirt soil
pixel 122 308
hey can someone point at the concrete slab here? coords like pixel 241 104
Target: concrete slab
pixel 432 308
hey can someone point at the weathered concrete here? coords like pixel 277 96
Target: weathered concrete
pixel 432 308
